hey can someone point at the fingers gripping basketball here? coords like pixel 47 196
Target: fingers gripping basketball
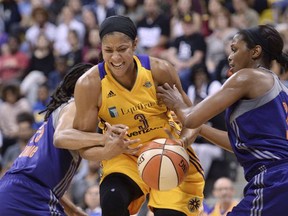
pixel 163 164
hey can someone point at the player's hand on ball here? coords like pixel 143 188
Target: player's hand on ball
pixel 116 142
pixel 182 141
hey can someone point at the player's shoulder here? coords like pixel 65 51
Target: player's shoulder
pixel 250 74
pixel 158 64
pixel 162 71
pixel 91 77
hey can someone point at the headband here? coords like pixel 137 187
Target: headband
pixel 118 23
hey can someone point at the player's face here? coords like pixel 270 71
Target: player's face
pixel 118 50
pixel 240 56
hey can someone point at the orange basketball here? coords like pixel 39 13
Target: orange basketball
pixel 163 164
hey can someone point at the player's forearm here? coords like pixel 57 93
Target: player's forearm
pixel 218 137
pixel 73 139
pixel 70 208
pixel 94 154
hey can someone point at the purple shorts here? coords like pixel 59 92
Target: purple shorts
pixel 21 195
pixel 266 194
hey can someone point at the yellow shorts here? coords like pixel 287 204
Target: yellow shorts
pixel 187 197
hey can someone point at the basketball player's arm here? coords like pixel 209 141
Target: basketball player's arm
pixel 115 144
pixel 71 209
pixel 164 72
pixel 238 86
pixel 87 94
pixel 66 137
pixel 216 136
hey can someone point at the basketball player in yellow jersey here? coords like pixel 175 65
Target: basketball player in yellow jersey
pixel 122 89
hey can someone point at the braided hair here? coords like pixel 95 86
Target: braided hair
pixel 65 90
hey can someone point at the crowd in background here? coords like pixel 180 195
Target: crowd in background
pixel 41 39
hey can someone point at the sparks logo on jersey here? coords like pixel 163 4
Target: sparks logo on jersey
pixel 111 94
pixel 194 204
pixel 147 84
pixel 113 112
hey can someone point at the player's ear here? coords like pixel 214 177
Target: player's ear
pixel 256 52
pixel 134 44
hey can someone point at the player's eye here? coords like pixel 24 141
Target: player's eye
pixel 122 50
pixel 108 51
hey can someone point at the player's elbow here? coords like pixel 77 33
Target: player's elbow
pixel 93 155
pixel 83 127
pixel 58 140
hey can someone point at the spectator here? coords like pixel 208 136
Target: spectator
pixel 13 62
pixel 79 186
pixel 41 64
pixel 24 121
pixel 42 58
pixel 74 56
pixel 223 192
pixel 54 9
pixel 133 9
pixel 90 22
pixel 10 15
pixel 92 200
pixel 41 25
pixel 183 7
pixel 91 52
pixel 103 9
pixel 76 7
pixel 13 104
pixel 186 51
pixel 244 16
pixel 66 23
pixel 56 76
pixel 261 5
pixel 215 41
pixel 214 7
pixel 43 99
pixel 25 10
pixel 153 30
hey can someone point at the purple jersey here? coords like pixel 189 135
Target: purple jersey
pixel 43 162
pixel 258 129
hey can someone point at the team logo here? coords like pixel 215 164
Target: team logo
pixel 147 84
pixel 111 94
pixel 194 204
pixel 113 112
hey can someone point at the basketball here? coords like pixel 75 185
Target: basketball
pixel 163 164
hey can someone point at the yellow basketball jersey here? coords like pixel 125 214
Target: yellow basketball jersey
pixel 138 108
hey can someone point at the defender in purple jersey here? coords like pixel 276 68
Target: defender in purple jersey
pixel 256 104
pixel 39 177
